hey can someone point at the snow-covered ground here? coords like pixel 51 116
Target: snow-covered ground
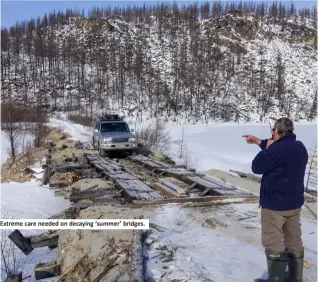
pixel 221 146
pixel 28 201
pixel 77 131
pixel 198 248
pixel 229 250
pixel 25 140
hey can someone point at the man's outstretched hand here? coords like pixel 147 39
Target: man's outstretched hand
pixel 250 139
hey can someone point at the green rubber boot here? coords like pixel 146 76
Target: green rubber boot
pixel 276 264
pixel 295 267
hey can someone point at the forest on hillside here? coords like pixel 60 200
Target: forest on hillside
pixel 192 60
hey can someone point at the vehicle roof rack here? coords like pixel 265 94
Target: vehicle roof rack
pixel 107 117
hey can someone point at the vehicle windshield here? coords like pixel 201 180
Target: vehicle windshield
pixel 114 127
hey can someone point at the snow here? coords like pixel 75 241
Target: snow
pixel 31 201
pixel 231 253
pixel 197 248
pixel 221 146
pixel 25 139
pixel 77 131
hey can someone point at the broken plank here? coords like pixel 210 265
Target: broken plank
pixel 193 199
pixel 179 190
pixel 206 191
pixel 47 270
pixel 192 186
pixel 23 243
pixel 165 190
pixel 137 257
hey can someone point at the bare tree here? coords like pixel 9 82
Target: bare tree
pixel 154 136
pixel 12 259
pixel 11 126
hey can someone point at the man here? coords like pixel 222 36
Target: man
pixel 282 162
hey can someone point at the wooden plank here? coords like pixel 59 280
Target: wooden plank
pixel 46 175
pixel 122 176
pixel 46 270
pixel 193 199
pixel 23 243
pixel 137 184
pixel 165 190
pixel 60 184
pixel 97 192
pixel 218 182
pixel 68 168
pixel 135 189
pixel 247 175
pixel 172 186
pixel 203 182
pixel 175 173
pixel 206 191
pixel 97 204
pixel 225 191
pixel 193 185
pixel 160 163
pixel 137 257
pixel 46 239
pixel 145 161
pixel 14 276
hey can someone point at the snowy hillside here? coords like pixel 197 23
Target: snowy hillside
pixel 167 62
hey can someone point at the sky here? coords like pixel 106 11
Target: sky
pixel 13 11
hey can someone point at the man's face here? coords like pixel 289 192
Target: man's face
pixel 275 134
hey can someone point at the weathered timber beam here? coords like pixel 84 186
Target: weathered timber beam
pixel 139 203
pixel 60 184
pixel 69 167
pixel 97 192
pixel 23 243
pixel 46 175
pixel 27 243
pixel 99 202
pixel 46 239
pixel 137 258
pixel 96 204
pixel 166 190
pixel 247 175
pixel 47 270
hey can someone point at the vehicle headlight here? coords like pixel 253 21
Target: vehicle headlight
pixel 107 140
pixel 132 140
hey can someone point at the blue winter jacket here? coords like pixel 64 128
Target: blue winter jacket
pixel 283 166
